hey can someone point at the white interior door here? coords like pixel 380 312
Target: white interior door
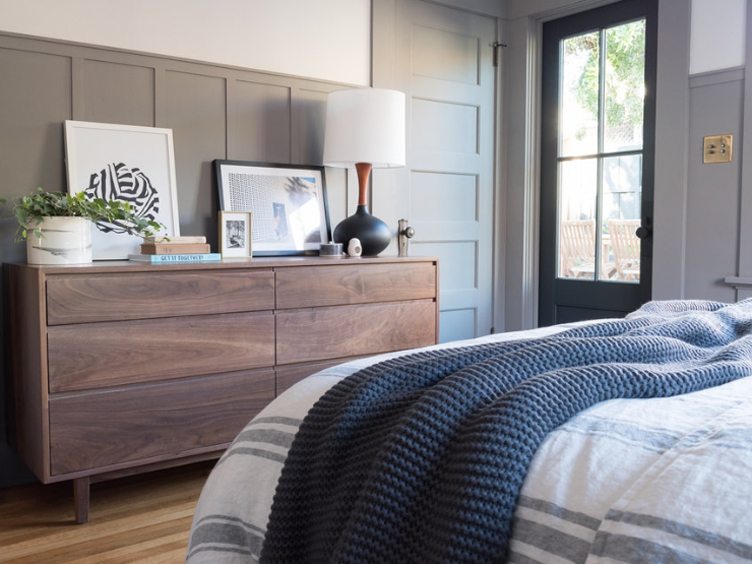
pixel 441 58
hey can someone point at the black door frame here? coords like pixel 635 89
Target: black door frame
pixel 603 299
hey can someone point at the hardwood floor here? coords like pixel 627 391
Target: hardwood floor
pixel 142 518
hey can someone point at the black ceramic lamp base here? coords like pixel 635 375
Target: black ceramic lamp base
pixel 373 233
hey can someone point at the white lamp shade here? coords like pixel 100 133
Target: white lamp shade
pixel 365 125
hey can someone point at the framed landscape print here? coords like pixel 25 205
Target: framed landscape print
pixel 123 162
pixel 288 203
pixel 234 234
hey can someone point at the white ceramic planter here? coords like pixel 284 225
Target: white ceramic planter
pixel 64 240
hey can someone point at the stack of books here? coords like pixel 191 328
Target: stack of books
pixel 164 249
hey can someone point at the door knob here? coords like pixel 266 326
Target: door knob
pixel 643 232
pixel 404 233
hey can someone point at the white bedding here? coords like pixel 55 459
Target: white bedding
pixel 654 480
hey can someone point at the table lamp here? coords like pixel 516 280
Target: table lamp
pixel 365 127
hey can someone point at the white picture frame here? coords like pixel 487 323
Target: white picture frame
pixel 235 234
pixel 127 162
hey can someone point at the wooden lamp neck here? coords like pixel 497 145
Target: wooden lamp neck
pixel 364 171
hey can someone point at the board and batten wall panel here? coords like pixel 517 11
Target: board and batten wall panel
pixel 131 85
pixel 713 190
pixel 258 124
pixel 195 110
pixel 309 116
pixel 35 94
pixel 215 112
pixel 34 99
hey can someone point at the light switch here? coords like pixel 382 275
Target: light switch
pixel 717 148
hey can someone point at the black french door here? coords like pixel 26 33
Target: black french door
pixel 597 161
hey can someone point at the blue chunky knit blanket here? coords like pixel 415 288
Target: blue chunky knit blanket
pixel 422 458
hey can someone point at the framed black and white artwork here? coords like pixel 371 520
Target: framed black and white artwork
pixel 235 234
pixel 123 162
pixel 288 203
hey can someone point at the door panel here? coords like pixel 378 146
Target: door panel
pixel 456 324
pixel 597 162
pixel 444 197
pixel 443 63
pixel 444 127
pixel 445 55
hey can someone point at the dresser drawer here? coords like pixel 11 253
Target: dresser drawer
pixel 120 368
pixel 74 298
pixel 153 422
pixel 96 355
pixel 322 333
pixel 354 284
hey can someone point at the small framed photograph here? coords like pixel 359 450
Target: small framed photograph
pixel 288 203
pixel 235 234
pixel 130 163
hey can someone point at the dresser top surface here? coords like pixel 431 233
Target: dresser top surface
pixel 225 264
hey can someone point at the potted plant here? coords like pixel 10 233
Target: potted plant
pixel 57 226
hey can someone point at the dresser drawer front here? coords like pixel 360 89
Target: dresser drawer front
pixel 106 354
pixel 323 333
pixel 153 422
pixel 354 284
pixel 73 298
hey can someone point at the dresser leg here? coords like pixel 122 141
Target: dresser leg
pixel 81 499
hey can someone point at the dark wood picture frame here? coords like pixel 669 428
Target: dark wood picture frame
pixel 288 203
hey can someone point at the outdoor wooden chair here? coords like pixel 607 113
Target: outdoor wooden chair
pixel 577 248
pixel 626 248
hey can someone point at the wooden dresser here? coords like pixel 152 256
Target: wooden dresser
pixel 121 367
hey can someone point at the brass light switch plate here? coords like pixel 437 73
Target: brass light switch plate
pixel 717 148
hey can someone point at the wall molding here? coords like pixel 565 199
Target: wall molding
pixel 493 8
pixel 711 78
pixel 544 10
pixel 739 281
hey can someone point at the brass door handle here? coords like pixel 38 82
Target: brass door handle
pixel 404 234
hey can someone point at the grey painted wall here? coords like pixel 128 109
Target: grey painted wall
pixel 214 111
pixel 713 190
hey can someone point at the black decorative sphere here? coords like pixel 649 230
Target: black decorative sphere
pixel 373 233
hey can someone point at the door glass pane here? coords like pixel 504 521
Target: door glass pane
pixel 624 86
pixel 622 191
pixel 578 103
pixel 578 186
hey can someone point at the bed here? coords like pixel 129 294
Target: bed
pixel 658 479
